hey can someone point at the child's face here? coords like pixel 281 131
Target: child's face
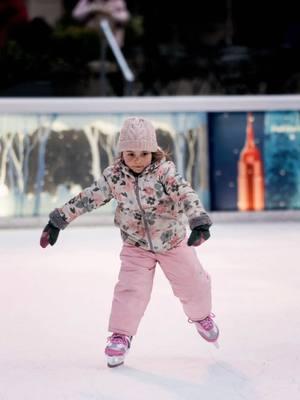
pixel 137 161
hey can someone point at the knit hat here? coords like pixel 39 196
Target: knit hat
pixel 137 134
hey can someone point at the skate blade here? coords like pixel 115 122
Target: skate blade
pixel 216 344
pixel 115 361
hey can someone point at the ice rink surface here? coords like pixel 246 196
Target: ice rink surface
pixel 55 304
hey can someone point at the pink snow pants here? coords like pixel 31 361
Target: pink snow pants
pixel 190 283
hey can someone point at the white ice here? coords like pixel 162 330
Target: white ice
pixel 55 304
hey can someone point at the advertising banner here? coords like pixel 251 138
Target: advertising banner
pixel 236 161
pixel 255 160
pixel 47 159
pixel 244 161
pixel 282 159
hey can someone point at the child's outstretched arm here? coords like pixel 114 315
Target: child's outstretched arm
pixel 181 191
pixel 98 194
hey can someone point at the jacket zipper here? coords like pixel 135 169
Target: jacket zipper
pixel 136 188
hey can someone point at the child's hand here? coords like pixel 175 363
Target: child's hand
pixel 198 235
pixel 49 235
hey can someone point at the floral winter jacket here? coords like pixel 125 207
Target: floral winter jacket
pixel 151 207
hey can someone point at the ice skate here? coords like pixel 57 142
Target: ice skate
pixel 208 329
pixel 116 349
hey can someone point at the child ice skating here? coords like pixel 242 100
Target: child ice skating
pixel 153 201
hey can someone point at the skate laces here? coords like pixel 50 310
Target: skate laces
pixel 206 323
pixel 116 338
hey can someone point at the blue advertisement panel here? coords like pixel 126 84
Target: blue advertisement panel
pixel 47 159
pixel 254 160
pixel 282 159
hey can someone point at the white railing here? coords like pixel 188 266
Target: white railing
pixel 149 104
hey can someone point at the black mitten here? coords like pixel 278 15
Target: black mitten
pixel 198 235
pixel 49 235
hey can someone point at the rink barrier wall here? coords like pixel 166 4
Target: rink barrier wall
pixel 217 124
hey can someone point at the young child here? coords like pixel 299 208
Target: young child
pixel 152 202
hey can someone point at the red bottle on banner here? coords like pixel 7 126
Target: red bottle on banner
pixel 251 192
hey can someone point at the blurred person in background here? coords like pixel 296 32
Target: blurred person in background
pixel 13 16
pixel 92 11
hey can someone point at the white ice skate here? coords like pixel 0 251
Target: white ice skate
pixel 116 349
pixel 208 329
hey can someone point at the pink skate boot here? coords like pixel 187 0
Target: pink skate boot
pixel 116 349
pixel 208 329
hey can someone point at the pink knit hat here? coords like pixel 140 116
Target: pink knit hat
pixel 137 134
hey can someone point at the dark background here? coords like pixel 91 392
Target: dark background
pixel 174 48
